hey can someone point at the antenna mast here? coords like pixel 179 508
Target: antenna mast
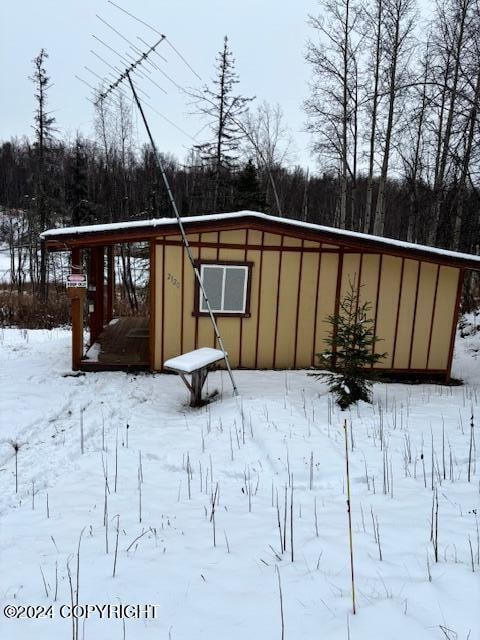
pixel 125 75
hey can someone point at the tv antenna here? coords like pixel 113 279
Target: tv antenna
pixel 108 88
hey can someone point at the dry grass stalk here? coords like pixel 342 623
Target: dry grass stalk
pixel 16 448
pixel 434 527
pixel 291 522
pixel 77 590
pixel 311 470
pixel 116 462
pixel 45 582
pixel 56 581
pixel 282 549
pixel 116 546
pixel 226 541
pixel 281 603
pixel 470 449
pixel 212 514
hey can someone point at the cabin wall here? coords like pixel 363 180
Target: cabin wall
pixel 295 285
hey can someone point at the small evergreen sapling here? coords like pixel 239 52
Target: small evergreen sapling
pixel 351 351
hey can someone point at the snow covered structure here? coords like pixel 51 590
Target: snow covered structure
pixel 272 282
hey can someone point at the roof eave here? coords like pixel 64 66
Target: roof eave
pixel 65 242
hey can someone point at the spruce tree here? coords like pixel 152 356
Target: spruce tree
pixel 248 191
pixel 224 108
pixel 351 354
pixel 44 130
pixel 76 185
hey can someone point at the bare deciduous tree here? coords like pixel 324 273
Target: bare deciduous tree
pixel 268 139
pixel 452 35
pixel 398 21
pixel 373 29
pixel 332 105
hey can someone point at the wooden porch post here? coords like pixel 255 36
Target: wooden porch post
pixel 77 297
pixel 92 283
pixel 110 283
pixel 99 298
pixel 96 285
pixel 151 322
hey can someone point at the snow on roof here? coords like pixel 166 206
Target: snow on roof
pixel 161 222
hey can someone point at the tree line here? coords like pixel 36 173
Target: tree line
pixel 392 109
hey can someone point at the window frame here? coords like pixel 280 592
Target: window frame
pixel 198 312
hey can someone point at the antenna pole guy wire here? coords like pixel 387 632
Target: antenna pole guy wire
pixel 158 33
pixel 184 236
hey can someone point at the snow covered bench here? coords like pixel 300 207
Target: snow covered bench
pixel 196 363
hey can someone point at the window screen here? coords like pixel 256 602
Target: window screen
pixel 226 288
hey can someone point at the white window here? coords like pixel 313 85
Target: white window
pixel 225 286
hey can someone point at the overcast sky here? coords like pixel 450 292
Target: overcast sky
pixel 267 38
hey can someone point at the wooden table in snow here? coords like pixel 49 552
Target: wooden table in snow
pixel 196 363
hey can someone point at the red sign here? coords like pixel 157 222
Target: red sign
pixel 77 280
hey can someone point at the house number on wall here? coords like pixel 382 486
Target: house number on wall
pixel 173 281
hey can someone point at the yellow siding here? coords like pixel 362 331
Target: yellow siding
pixel 272 239
pixel 209 237
pixel 443 319
pixel 306 312
pixel 234 237
pixel 254 237
pixel 268 309
pixel 158 359
pixel 406 313
pixel 369 281
pixel 423 317
pixel 292 242
pixel 408 334
pixel 287 310
pixel 249 325
pixel 387 308
pixel 350 272
pixel 173 302
pixel 206 335
pixel 188 290
pixel 326 298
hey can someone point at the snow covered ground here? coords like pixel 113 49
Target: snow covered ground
pixel 4 264
pixel 158 463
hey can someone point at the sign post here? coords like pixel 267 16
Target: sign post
pixel 76 289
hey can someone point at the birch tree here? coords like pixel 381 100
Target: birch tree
pixel 452 29
pixel 471 128
pixel 332 105
pixel 268 139
pixel 223 108
pixel 414 151
pixel 373 29
pixel 398 19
